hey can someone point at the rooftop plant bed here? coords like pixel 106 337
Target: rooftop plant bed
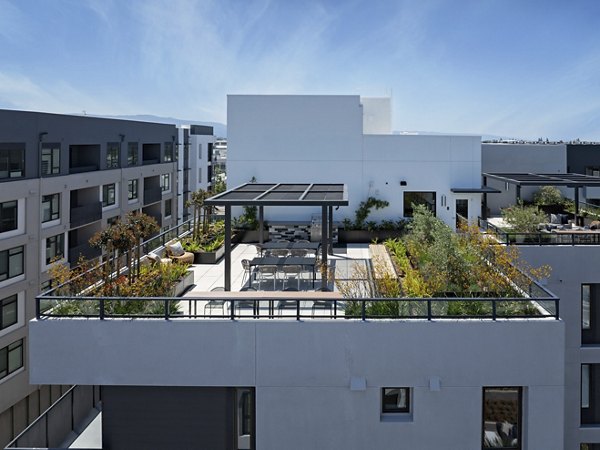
pixel 431 261
pixel 362 230
pixel 207 246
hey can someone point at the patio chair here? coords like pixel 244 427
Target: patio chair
pixel 299 252
pixel 280 252
pixel 291 270
pixel 177 254
pixel 284 241
pixel 247 274
pixel 245 304
pixel 217 303
pixel 264 273
pixel 287 304
pixel 323 304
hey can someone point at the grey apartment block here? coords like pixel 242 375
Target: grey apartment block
pixel 62 179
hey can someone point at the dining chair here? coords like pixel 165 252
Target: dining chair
pixel 246 304
pixel 287 304
pixel 247 274
pixel 217 303
pixel 280 252
pixel 291 270
pixel 266 273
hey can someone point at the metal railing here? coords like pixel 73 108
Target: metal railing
pixel 564 237
pixel 266 307
pixel 82 215
pixel 66 415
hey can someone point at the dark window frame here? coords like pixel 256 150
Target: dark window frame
pixel 7 254
pixel 397 410
pixel 519 418
pixel 4 220
pixel 168 155
pixel 132 153
pixel 54 215
pixel 589 309
pixel 165 187
pixel 168 212
pixel 53 152
pixel 13 160
pixel 106 188
pixel 113 150
pixel 58 242
pixel 133 189
pixel 407 206
pixel 3 304
pixel 5 354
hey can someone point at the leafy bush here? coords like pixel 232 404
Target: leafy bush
pixel 523 219
pixel 548 196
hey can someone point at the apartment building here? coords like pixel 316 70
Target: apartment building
pixel 348 139
pixel 63 178
pixel 195 163
pixel 575 278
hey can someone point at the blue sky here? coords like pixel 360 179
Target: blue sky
pixel 522 68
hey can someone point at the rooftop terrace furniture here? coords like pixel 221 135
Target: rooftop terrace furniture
pixel 266 272
pixel 177 254
pixel 291 270
pixel 215 304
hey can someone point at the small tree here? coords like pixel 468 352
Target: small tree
pixel 548 196
pixel 201 212
pixel 523 219
pixel 141 226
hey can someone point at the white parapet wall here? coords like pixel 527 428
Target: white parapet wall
pixel 302 373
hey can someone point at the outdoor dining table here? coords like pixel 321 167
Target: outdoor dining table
pixel 312 246
pixel 284 261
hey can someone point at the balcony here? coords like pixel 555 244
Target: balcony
pixel 84 158
pixel 152 195
pixel 83 250
pixel 82 215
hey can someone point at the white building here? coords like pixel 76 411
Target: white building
pixel 195 155
pixel 348 139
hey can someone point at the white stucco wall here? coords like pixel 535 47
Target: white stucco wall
pixel 302 372
pixel 319 139
pixel 377 115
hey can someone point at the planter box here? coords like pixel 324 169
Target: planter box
pixel 209 257
pixel 250 236
pixel 183 284
pixel 365 236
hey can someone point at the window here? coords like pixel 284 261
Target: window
pixel 112 155
pixel 585 307
pixel 11 358
pixel 502 408
pixel 50 207
pixel 132 153
pixel 112 220
pixel 199 151
pixel 8 216
pixel 50 159
pixel 8 311
pixel 395 400
pixel 132 189
pixel 168 208
pixel 585 386
pixel 593 171
pixel 168 152
pixel 11 263
pixel 200 175
pixel 12 160
pixel 55 248
pixel 418 198
pixel 109 196
pixel 165 182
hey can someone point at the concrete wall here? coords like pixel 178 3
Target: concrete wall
pixel 302 373
pixel 319 139
pixel 520 158
pixel 377 115
pixel 571 267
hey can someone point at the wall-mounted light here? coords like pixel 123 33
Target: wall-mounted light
pixel 443 200
pixel 42 134
pixel 402 183
pixel 122 136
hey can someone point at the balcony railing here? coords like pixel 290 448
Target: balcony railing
pixel 82 215
pixel 236 308
pixel 560 237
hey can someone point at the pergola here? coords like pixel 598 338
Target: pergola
pixel 572 180
pixel 281 194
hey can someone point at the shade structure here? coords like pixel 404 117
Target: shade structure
pixel 282 194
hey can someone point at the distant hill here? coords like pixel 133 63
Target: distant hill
pixel 220 129
pixel 484 137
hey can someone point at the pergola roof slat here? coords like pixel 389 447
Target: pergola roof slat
pixel 546 179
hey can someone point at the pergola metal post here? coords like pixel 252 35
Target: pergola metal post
pixel 484 202
pixel 330 231
pixel 227 248
pixel 324 228
pixel 261 223
pixel 576 205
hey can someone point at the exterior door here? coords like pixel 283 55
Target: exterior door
pixel 462 210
